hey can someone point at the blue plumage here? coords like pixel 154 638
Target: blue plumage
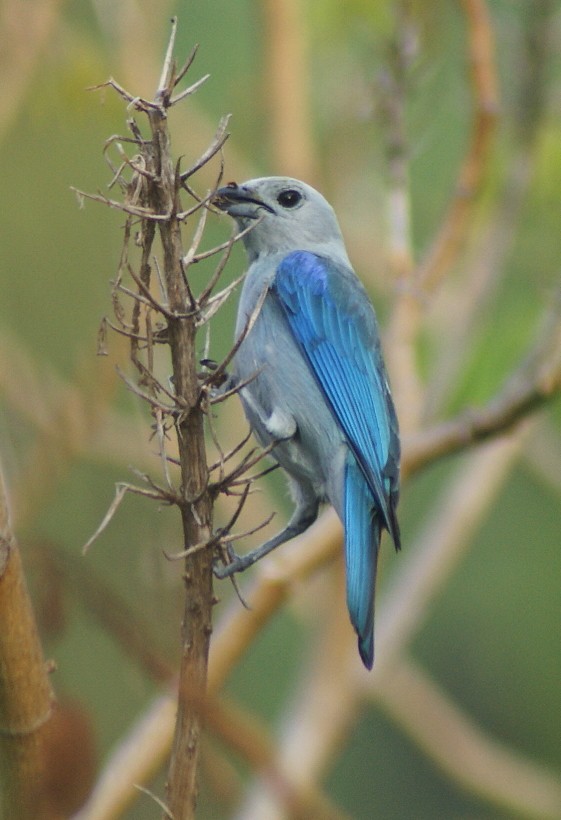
pixel 335 328
pixel 362 538
pixel 319 389
pixel 336 331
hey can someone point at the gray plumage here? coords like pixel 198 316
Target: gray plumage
pixel 316 383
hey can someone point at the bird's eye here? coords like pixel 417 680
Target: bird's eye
pixel 289 198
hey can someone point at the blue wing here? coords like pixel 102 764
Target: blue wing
pixel 334 325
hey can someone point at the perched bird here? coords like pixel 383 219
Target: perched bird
pixel 312 378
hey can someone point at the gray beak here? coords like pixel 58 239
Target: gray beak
pixel 240 202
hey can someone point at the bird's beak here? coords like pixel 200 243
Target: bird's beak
pixel 239 201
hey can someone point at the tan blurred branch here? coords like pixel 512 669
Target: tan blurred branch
pixel 141 753
pixel 26 696
pixel 333 678
pixel 273 582
pixel 25 29
pixel 422 573
pixel 286 91
pixel 483 272
pixel 67 418
pixel 449 241
pixel 536 381
pixel 403 329
pixel 413 285
pixel 440 545
pixel 544 455
pixel 144 749
pixel 243 733
pixel 461 749
pixel 126 627
pixel 323 709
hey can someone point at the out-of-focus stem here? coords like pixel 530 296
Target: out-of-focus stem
pixel 26 696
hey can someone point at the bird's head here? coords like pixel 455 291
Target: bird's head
pixel 283 215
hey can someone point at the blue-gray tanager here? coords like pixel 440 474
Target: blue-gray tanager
pixel 312 378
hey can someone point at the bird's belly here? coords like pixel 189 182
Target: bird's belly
pixel 285 397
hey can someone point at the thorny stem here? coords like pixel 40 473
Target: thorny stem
pixel 195 500
pixel 154 195
pixel 152 201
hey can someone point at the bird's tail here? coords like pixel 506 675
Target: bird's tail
pixel 362 538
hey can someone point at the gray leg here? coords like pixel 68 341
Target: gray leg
pixel 304 516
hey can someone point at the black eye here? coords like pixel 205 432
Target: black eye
pixel 289 198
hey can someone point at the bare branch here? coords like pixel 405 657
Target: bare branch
pixel 157 801
pixel 217 301
pixel 248 461
pixel 186 65
pixel 121 489
pixel 241 536
pixel 533 384
pixel 145 291
pixel 134 102
pixel 196 241
pixel 224 531
pixel 219 269
pixel 254 477
pixel 188 91
pixel 221 369
pixel 462 750
pixel 216 145
pixel 233 452
pixel 145 213
pixel 225 245
pixel 166 77
pixel 226 394
pixel 172 410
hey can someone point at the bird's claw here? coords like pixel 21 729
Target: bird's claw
pixel 235 564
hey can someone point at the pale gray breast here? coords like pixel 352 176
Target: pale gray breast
pixel 285 386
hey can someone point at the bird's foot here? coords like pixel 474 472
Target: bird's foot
pixel 236 563
pixel 218 381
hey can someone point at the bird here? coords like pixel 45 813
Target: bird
pixel 310 374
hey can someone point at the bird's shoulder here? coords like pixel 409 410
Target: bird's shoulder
pixel 325 285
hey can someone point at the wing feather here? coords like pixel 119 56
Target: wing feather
pixel 333 323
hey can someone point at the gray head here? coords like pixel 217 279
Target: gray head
pixel 286 214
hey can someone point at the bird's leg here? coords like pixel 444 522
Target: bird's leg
pixel 304 516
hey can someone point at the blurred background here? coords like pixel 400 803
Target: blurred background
pixel 435 131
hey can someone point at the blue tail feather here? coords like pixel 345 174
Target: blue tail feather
pixel 362 538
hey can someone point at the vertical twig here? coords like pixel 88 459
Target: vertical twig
pixel 195 501
pixel 153 195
